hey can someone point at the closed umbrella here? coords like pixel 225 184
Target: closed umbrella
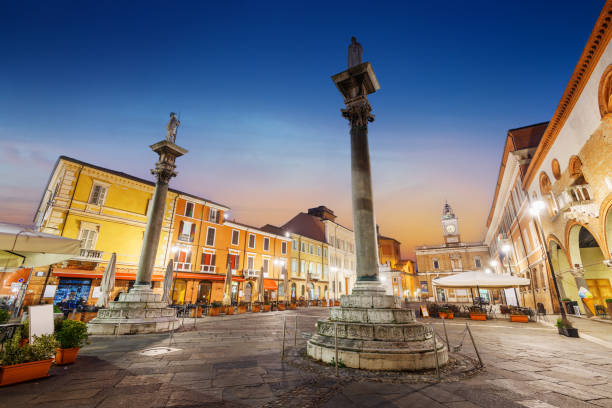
pixel 108 282
pixel 227 296
pixel 286 284
pixel 260 286
pixel 167 296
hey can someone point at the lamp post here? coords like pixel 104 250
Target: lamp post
pixel 535 207
pixel 506 248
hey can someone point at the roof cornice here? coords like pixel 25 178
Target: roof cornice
pixel 595 46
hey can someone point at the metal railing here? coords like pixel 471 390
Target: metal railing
pixel 90 254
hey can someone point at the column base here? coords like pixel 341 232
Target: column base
pixel 374 333
pixel 139 311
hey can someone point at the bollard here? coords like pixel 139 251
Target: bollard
pixel 474 344
pixel 284 331
pixel 336 345
pixel 295 333
pixel 435 351
pixel 195 316
pixel 183 321
pixel 446 335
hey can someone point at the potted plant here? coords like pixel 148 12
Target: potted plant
pixel 4 316
pixel 242 308
pixel 215 309
pixel 28 362
pixel 229 310
pixel 266 306
pixel 256 308
pixel 566 329
pixel 477 313
pixel 281 306
pixel 336 303
pixel 71 336
pixel 446 313
pixel 609 307
pixel 518 316
pixel 292 305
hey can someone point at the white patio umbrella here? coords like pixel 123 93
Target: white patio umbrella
pixel 108 282
pixel 21 246
pixel 260 286
pixel 286 283
pixel 167 296
pixel 227 287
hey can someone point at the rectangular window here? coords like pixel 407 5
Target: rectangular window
pixel 265 266
pixel 477 262
pixel 213 215
pixel 88 238
pixel 436 264
pixel 235 237
pixel 318 251
pixel 527 240
pixel 294 245
pixel 210 236
pixel 302 268
pixel 331 241
pixel 182 259
pixel 186 231
pixel 189 210
pixel 283 247
pixel 311 249
pixel 250 262
pixel 266 245
pixel 325 272
pixel 208 262
pixel 234 261
pixel 98 194
pixel 303 247
pixel 251 240
pixel 325 252
pixel 294 267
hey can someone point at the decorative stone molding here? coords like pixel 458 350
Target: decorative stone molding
pixel 605 92
pixel 583 213
pixel 358 112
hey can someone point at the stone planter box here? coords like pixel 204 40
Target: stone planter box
pixel 568 332
pixel 281 306
pixel 266 308
pixel 478 316
pixel 17 373
pixel 66 356
pixel 87 316
pixel 519 318
pixel 337 303
pixel 229 310
pixel 446 315
pixel 214 311
pixel 292 306
pixel 196 312
pixel 255 308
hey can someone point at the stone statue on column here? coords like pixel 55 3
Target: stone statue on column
pixel 172 127
pixel 355 53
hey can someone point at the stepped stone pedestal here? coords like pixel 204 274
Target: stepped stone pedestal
pixel 374 333
pixel 139 311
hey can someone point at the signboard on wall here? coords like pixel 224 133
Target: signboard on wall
pixel 41 320
pixel 50 291
pixel 96 292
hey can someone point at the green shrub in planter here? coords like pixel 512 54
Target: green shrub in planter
pixel 4 316
pixel 42 348
pixel 71 333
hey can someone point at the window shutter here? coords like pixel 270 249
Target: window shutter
pixel 102 195
pixel 217 218
pixel 181 225
pixel 237 261
pixel 193 227
pixel 213 259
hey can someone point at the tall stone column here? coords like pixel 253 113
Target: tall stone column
pixel 163 171
pixel 369 330
pixel 355 84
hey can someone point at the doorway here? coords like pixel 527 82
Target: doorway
pixel 204 289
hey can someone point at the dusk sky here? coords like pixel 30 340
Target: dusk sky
pixel 260 115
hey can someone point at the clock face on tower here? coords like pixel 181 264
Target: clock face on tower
pixel 450 228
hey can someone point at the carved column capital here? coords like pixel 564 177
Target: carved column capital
pixel 358 112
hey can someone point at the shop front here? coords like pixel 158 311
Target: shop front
pixel 202 288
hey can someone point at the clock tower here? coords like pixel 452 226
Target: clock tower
pixel 450 226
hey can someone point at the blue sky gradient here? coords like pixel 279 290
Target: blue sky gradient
pixel 260 114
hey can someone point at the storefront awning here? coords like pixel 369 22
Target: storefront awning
pixel 206 276
pixel 270 284
pixel 89 274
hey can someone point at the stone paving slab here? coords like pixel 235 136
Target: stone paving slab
pixel 234 361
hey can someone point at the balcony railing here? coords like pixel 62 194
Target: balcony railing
pixel 579 194
pixel 250 273
pixel 90 255
pixel 315 275
pixel 208 268
pixel 182 266
pixel 185 238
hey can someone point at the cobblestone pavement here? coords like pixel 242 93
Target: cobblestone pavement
pixel 234 361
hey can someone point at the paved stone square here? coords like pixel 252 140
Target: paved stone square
pixel 234 361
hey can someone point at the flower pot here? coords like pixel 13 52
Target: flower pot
pixel 24 372
pixel 66 356
pixel 255 308
pixel 568 332
pixel 196 312
pixel 337 303
pixel 229 310
pixel 443 315
pixel 519 318
pixel 478 316
pixel 281 306
pixel 214 311
pixel 241 309
pixel 292 306
pixel 266 308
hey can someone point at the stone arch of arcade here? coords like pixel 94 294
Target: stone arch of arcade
pixel 606 234
pixel 587 268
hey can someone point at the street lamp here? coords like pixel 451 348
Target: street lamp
pixel 535 208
